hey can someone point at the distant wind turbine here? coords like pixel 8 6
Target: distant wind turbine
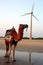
pixel 31 13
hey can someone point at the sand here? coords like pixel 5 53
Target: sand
pixel 26 45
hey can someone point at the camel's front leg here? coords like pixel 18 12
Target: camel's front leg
pixel 13 52
pixel 9 52
pixel 7 48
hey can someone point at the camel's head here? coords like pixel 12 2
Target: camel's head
pixel 23 26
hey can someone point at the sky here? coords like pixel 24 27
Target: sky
pixel 11 12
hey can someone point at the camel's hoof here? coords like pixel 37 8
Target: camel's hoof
pixel 14 60
pixel 8 62
pixel 6 56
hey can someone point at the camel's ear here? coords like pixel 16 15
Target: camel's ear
pixel 20 26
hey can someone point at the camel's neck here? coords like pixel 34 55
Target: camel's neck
pixel 19 35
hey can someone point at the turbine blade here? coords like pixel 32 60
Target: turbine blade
pixel 26 14
pixel 35 17
pixel 32 7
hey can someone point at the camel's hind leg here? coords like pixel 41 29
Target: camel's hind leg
pixel 13 52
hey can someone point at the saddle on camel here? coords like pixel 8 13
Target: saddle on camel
pixel 11 39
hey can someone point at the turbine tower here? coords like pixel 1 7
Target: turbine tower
pixel 31 14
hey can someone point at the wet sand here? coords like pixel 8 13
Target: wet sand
pixel 21 58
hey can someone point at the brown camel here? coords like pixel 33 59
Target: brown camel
pixel 11 39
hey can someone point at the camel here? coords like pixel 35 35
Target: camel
pixel 11 39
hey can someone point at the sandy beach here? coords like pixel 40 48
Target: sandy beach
pixel 26 45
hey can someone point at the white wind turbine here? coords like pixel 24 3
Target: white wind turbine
pixel 31 14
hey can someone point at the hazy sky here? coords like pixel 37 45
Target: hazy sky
pixel 11 11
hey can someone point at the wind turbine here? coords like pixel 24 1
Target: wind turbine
pixel 31 14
